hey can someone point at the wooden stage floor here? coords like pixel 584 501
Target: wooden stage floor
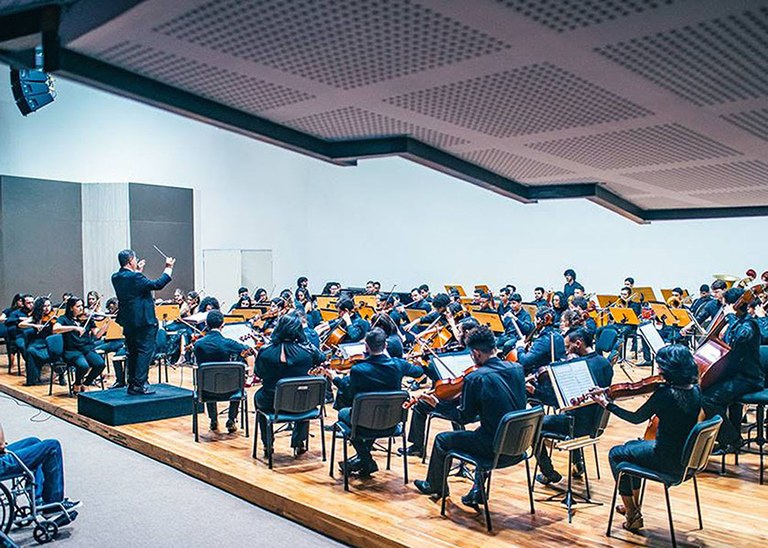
pixel 382 511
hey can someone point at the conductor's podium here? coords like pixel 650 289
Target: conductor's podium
pixel 116 407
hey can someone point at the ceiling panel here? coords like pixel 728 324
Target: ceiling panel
pixel 709 178
pixel 752 121
pixel 514 166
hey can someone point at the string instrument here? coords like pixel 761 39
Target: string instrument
pixel 712 354
pixel 258 338
pixel 443 390
pixel 335 336
pixel 435 338
pixel 541 323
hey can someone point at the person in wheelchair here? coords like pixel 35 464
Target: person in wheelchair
pixel 44 459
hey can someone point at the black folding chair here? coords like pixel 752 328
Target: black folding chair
pixel 296 399
pixel 517 438
pixel 59 365
pixel 219 382
pixel 375 415
pixel 696 453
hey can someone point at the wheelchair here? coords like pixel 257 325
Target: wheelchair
pixel 19 507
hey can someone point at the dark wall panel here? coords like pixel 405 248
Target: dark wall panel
pixel 164 216
pixel 41 245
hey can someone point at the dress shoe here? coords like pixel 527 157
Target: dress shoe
pixel 231 426
pixel 353 465
pixel 425 488
pixel 143 390
pixel 367 469
pixel 214 426
pixel 472 499
pixel 118 384
pixel 547 480
pixel 411 451
pixel 300 450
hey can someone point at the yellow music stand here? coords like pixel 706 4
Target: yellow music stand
pixel 326 302
pixel 491 319
pixel 646 292
pixel 531 309
pixel 167 312
pixel 366 312
pixel 683 316
pixel 600 317
pixel 664 313
pixel 624 316
pixel 483 287
pixel 233 318
pixel 414 314
pixel 458 288
pixel 606 300
pixel 114 332
pixel 667 293
pixel 328 314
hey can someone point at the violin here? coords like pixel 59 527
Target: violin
pixel 624 390
pixel 444 390
pixel 541 323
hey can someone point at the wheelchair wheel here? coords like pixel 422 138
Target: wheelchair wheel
pixel 7 509
pixel 23 516
pixel 45 531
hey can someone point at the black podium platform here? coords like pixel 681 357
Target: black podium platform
pixel 115 407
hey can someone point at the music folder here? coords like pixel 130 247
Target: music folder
pixel 624 316
pixel 664 313
pixel 651 335
pixel 459 289
pixel 167 312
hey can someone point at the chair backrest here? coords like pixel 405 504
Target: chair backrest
pixel 699 445
pixel 764 361
pixel 518 431
pixel 161 340
pixel 606 341
pixel 378 410
pixel 602 424
pixel 55 344
pixel 299 394
pixel 219 381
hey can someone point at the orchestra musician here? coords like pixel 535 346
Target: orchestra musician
pixel 377 373
pixel 709 309
pixel 418 302
pixel 436 315
pixel 40 325
pixel 539 298
pixel 504 304
pixel 629 282
pixel 216 348
pixel 703 298
pixel 136 314
pixel 743 374
pixel 305 301
pixel 580 305
pixel 676 403
pixel 190 304
pixel 627 332
pixel 394 340
pixel 547 345
pixel 302 283
pixel 93 302
pixel 571 285
pixel 260 296
pixel 116 347
pixel 15 340
pixel 243 299
pixel 491 391
pixel 424 292
pixel 80 338
pixel 517 321
pixel 756 309
pixel 332 289
pixel 576 422
pixel 559 305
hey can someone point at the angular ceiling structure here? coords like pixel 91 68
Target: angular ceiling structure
pixel 656 109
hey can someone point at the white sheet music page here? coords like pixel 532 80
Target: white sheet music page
pixel 573 379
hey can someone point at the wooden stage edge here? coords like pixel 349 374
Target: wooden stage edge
pixel 303 514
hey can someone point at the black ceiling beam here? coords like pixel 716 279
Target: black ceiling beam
pixel 705 213
pixel 43 20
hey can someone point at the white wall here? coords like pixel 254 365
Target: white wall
pixel 386 219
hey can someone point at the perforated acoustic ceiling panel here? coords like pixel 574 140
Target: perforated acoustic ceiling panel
pixel 753 121
pixel 709 178
pixel 239 90
pixel 715 61
pixel 514 166
pixel 353 43
pixel 521 101
pixel 354 122
pixel 662 144
pixel 573 14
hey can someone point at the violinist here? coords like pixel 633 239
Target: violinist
pixel 504 304
pixel 215 348
pixel 546 345
pixel 491 391
pixel 370 289
pixel 437 315
pixel 394 341
pixel 260 296
pixel 80 338
pixel 483 300
pixel 276 308
pixel 517 324
pixel 629 282
pixel 332 289
pixel 21 308
pixel 571 285
pixel 576 422
pixel 287 298
pixel 302 283
pixel 377 373
pixel 116 346
pixel 743 375
pixel 580 305
pixel 243 299
pixel 419 412
pixel 676 403
pixel 40 324
pixel 93 302
pixel 424 292
pixel 305 302
pixel 190 304
pixel 539 298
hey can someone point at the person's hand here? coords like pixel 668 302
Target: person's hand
pixel 519 344
pixel 169 262
pixel 760 312
pixel 80 330
pixel 729 309
pixel 347 319
pixel 530 388
pixel 140 265
pixel 600 398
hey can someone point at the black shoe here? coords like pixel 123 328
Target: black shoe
pixel 577 470
pixel 62 380
pixel 231 426
pixel 329 398
pixel 353 465
pixel 118 384
pixel 65 518
pixel 68 504
pixel 727 449
pixel 144 390
pixel 472 499
pixel 411 451
pixel 214 426
pixel 425 488
pixel 645 363
pixel 300 450
pixel 547 480
pixel 368 469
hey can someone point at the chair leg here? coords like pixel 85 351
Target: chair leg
pixel 426 439
pixel 194 421
pixel 333 449
pixel 597 462
pixel 642 493
pixel 530 485
pixel 346 463
pixel 389 452
pixel 698 505
pixel 484 500
pixel 322 435
pixel 761 434
pixel 255 435
pixel 271 438
pixel 669 513
pixel 245 415
pixel 613 506
pixel 405 459
pixel 444 491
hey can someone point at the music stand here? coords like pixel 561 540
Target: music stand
pixel 114 332
pixel 414 313
pixel 624 316
pixel 167 313
pixel 606 300
pixel 457 288
pixel 531 309
pixel 366 300
pixel 491 319
pixel 246 313
pixel 684 317
pixel 328 314
pixel 451 365
pixel 652 338
pixel 482 287
pixel 326 302
pixel 646 292
pixel 664 313
pixel 233 318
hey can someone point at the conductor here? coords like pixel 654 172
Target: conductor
pixel 136 315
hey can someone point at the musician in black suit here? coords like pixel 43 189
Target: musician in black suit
pixel 136 314
pixel 493 390
pixel 216 348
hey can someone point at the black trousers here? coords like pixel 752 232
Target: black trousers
pixel 418 425
pixel 557 425
pixel 140 344
pixel 470 441
pixel 716 399
pixel 37 355
pixel 266 403
pixel 640 452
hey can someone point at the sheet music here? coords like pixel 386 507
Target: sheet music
pixel 572 380
pixel 652 336
pixel 234 331
pixel 352 349
pixel 450 366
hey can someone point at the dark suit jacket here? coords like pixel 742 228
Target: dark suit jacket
pixel 134 294
pixel 379 373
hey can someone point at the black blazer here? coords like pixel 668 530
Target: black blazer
pixel 136 307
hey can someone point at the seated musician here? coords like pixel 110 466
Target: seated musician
pixel 704 297
pixel 559 305
pixel 309 332
pixel 209 303
pixel 756 309
pixel 116 347
pixel 676 404
pixel 16 303
pixel 190 304
pixel 571 285
pixel 546 347
pixel 437 314
pixel 743 374
pixel 302 283
pixel 40 325
pixel 332 289
pixel 216 348
pixel 243 299
pixel 425 294
pixel 377 373
pixel 271 317
pixel 629 282
pixel 576 422
pixel 93 302
pixel 708 310
pixel 12 320
pixel 571 319
pixel 420 410
pixel 504 303
pixel 580 305
pixel 418 302
pixel 354 324
pixel 394 340
pixel 305 301
pixel 288 355
pixel 516 321
pixel 287 298
pixel 80 338
pixel 539 297
pixel 484 301
pixel 369 288
pixel 260 296
pixel 494 389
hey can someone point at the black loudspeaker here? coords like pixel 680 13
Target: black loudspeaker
pixel 32 89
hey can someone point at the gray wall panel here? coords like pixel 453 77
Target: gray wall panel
pixel 42 244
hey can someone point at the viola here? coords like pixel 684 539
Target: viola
pixel 444 390
pixel 624 390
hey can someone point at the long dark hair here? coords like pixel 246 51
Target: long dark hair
pixel 37 308
pixel 71 302
pixel 288 330
pixel 676 365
